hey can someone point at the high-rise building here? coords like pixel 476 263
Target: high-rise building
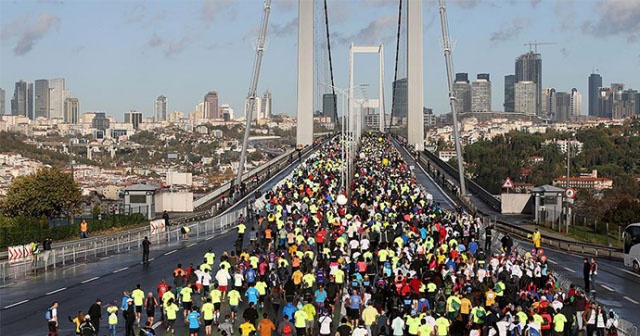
pixel 400 102
pixel 57 94
pixel 41 99
pixel 525 97
pixel 134 118
pixel 30 101
pixel 481 94
pixel 631 96
pixel 19 101
pixel 265 108
pixel 160 109
pixel 71 110
pixel 561 106
pixel 509 93
pixel 211 105
pixel 462 92
pixel 2 101
pixel 100 121
pixel 595 83
pixel 529 68
pixel 548 95
pixel 575 104
pixel 605 102
pixel 329 106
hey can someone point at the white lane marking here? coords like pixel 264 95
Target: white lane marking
pixel 120 270
pixel 57 291
pixel 152 259
pixel 626 298
pixel 194 244
pixel 551 261
pixel 89 280
pixel 607 288
pixel 209 238
pixel 171 252
pixel 157 324
pixel 569 269
pixel 632 273
pixel 16 304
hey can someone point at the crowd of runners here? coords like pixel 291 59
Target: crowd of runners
pixel 381 259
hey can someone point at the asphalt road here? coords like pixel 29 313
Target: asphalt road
pixel 23 303
pixel 617 286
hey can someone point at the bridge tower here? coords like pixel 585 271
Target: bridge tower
pixel 304 136
pixel 415 75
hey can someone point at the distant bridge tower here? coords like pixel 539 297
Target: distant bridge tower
pixel 415 77
pixel 304 135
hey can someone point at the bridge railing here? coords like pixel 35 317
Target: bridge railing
pixel 72 252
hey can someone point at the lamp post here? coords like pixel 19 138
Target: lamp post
pixel 347 133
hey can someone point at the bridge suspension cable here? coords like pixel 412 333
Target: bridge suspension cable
pixel 333 90
pixel 253 87
pixel 395 72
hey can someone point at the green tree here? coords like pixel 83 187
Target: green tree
pixel 48 192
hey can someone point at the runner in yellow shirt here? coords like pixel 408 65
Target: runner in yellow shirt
pixel 207 311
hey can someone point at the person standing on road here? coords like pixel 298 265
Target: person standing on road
pixel 129 318
pixel 507 244
pixel 46 250
pixel 593 272
pixel 95 311
pixel 53 319
pixel 146 244
pixel 586 274
pixel 165 216
pixel 536 238
pixel 488 232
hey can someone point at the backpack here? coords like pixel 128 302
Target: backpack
pixel 48 314
pixel 286 330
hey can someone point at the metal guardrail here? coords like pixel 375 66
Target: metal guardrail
pixel 62 254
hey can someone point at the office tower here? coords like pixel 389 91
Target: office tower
pixel 462 92
pixel 561 106
pixel 575 104
pixel 509 93
pixel 634 97
pixel 605 102
pixel 548 95
pixel 2 101
pixel 329 105
pixel 525 97
pixel 265 109
pixel 71 110
pixel 134 118
pixel 19 100
pixel 56 98
pixel 595 82
pixel 616 90
pixel 160 109
pixel 100 121
pixel 529 68
pixel 30 101
pixel 400 102
pixel 481 94
pixel 211 105
pixel 41 98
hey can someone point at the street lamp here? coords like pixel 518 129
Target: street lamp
pixel 346 133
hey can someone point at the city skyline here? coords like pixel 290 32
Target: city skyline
pixel 205 46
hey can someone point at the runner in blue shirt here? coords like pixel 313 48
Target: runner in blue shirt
pixel 194 321
pixel 252 294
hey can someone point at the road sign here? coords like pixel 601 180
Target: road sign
pixel 570 193
pixel 157 226
pixel 19 253
pixel 508 184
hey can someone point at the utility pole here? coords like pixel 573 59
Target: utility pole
pixel 452 98
pixel 253 88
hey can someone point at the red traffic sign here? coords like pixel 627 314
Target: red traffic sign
pixel 508 184
pixel 570 193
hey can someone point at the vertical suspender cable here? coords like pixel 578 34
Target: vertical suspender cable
pixel 333 90
pixel 395 74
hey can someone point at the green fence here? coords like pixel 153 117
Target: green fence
pixel 23 230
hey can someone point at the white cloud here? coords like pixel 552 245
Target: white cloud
pixel 621 17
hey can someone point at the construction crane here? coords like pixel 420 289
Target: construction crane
pixel 452 97
pixel 253 88
pixel 533 46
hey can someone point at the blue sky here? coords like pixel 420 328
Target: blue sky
pixel 120 55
